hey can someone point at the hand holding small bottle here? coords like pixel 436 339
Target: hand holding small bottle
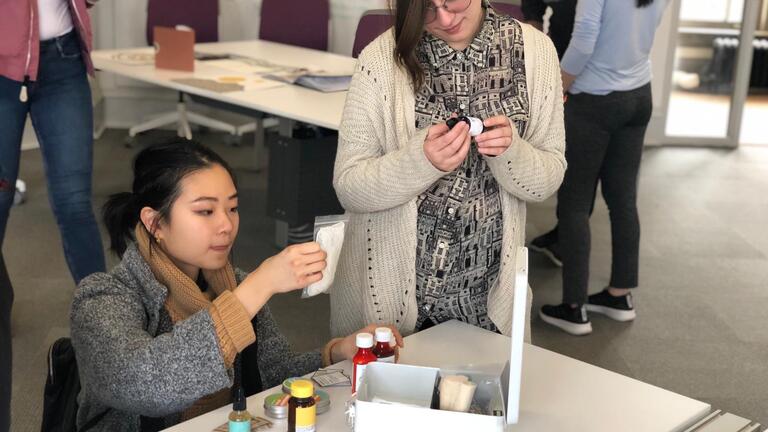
pixel 497 136
pixel 346 348
pixel 447 148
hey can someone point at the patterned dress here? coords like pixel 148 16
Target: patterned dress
pixel 459 227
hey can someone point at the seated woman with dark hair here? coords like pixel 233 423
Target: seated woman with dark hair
pixel 156 338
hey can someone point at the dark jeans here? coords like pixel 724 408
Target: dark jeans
pixel 6 300
pixel 59 104
pixel 604 136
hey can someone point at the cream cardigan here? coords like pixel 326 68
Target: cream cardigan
pixel 381 169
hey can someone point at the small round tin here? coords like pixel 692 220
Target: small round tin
pixel 273 406
pixel 277 410
pixel 322 401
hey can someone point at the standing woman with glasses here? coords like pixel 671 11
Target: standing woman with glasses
pixel 607 74
pixel 437 216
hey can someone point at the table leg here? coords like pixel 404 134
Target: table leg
pixel 259 134
pixel 285 128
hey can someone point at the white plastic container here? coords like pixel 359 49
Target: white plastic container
pixel 397 397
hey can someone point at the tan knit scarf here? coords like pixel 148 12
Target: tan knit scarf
pixel 184 296
pixel 185 299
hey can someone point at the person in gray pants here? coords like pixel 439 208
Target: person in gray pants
pixel 606 72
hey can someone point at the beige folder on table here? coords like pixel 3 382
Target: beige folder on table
pixel 174 49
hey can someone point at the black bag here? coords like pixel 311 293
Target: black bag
pixel 61 389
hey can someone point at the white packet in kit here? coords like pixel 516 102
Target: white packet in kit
pixel 329 233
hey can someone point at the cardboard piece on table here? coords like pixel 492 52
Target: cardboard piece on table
pixel 331 378
pixel 174 49
pixel 209 84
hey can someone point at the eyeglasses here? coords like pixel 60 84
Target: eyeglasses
pixel 452 6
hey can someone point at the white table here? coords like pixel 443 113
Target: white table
pixel 287 101
pixel 558 393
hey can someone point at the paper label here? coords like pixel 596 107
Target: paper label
pixel 256 424
pixel 331 379
pixel 330 238
pixel 359 372
pixel 239 426
pixel 305 419
pixel 390 359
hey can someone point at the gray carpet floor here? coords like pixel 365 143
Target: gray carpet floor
pixel 702 302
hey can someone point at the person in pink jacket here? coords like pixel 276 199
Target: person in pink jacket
pixel 44 67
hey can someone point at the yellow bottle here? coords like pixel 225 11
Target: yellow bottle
pixel 302 411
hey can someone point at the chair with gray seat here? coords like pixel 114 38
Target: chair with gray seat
pixel 509 7
pixel 372 24
pixel 302 23
pixel 203 19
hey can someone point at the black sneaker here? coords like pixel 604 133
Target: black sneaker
pixel 619 308
pixel 548 245
pixel 571 320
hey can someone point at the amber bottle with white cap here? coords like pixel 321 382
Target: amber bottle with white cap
pixel 383 350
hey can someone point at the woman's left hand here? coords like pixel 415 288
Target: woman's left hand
pixel 497 136
pixel 568 80
pixel 346 348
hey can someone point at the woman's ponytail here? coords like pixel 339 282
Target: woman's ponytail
pixel 120 217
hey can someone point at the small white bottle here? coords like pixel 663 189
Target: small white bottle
pixel 476 126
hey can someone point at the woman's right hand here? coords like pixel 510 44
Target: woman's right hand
pixel 447 148
pixel 293 268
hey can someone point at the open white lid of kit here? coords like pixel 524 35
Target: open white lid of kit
pixel 512 374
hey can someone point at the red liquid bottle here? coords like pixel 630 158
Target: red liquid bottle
pixel 383 350
pixel 365 355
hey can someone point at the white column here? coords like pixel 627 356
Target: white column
pixel 239 19
pixel 662 60
pixel 345 15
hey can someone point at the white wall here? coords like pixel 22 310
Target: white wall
pixel 660 61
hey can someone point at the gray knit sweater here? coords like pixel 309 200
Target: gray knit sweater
pixel 135 362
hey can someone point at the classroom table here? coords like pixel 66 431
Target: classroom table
pixel 558 393
pixel 288 103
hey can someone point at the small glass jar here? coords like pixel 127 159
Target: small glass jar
pixel 302 412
